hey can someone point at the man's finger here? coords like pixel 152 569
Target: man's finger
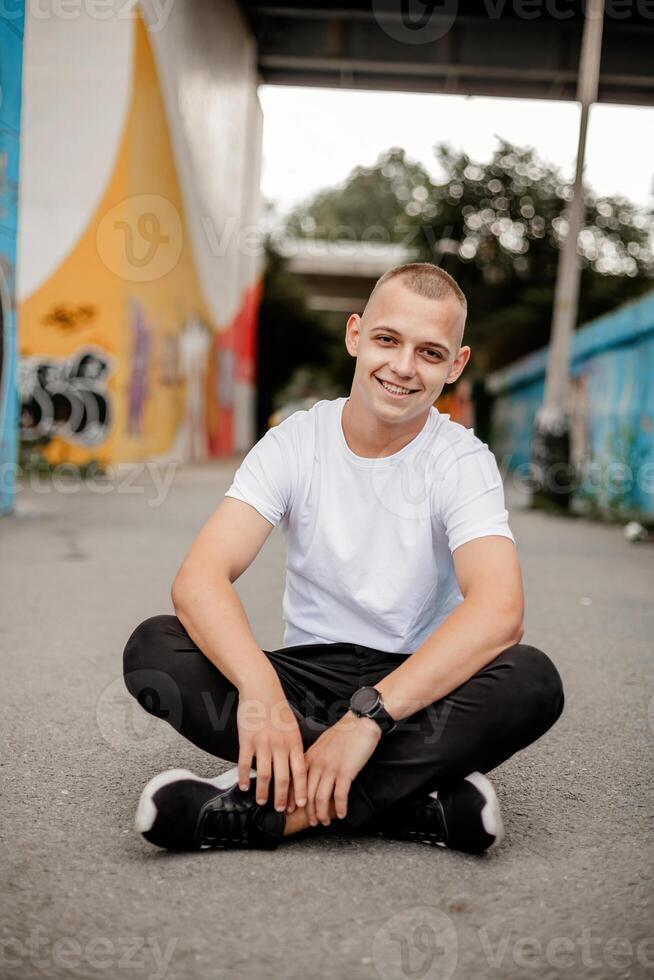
pixel 341 793
pixel 299 770
pixel 323 797
pixel 281 779
pixel 244 765
pixel 290 804
pixel 263 776
pixel 312 784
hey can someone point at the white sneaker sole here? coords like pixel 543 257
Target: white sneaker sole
pixel 146 810
pixel 491 816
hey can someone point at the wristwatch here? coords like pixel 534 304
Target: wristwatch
pixel 367 703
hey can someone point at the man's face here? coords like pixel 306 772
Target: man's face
pixel 409 341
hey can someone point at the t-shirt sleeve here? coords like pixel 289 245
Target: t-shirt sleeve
pixel 471 497
pixel 266 477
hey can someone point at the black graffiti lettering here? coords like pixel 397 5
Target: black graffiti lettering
pixel 66 397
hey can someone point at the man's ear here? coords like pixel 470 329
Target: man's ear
pixel 352 333
pixel 460 362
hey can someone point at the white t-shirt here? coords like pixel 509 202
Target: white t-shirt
pixel 369 541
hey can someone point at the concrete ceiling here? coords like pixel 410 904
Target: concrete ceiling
pixel 522 49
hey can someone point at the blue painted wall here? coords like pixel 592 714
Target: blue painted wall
pixel 12 18
pixel 611 406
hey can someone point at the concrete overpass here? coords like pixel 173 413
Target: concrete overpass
pixel 455 47
pixel 339 276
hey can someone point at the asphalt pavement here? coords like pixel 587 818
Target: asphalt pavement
pixel 568 893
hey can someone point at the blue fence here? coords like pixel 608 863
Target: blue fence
pixel 11 60
pixel 611 407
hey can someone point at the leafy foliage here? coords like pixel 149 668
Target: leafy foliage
pixel 497 227
pixel 369 206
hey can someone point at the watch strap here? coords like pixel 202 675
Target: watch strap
pixel 383 719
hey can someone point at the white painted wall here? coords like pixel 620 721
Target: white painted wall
pixel 76 92
pixel 206 60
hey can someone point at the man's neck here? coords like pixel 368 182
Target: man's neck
pixel 373 439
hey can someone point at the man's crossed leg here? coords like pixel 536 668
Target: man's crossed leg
pixel 424 781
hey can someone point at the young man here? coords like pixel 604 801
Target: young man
pixel 402 679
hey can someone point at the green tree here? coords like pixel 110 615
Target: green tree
pixel 369 206
pixel 497 227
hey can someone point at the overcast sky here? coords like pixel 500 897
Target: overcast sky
pixel 313 137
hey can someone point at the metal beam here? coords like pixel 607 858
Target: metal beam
pixel 486 49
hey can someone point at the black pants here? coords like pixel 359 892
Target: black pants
pixel 503 708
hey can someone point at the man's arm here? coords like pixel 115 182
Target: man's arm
pixel 209 608
pixel 205 600
pixel 489 620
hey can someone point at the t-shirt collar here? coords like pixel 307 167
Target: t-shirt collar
pixel 366 462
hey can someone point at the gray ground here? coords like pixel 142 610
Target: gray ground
pixel 567 894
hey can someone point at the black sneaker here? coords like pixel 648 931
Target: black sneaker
pixel 183 812
pixel 464 816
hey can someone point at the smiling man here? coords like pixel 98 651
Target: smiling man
pixel 403 678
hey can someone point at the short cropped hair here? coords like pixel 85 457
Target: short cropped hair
pixel 425 279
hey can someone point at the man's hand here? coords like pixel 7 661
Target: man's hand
pixel 334 760
pixel 268 730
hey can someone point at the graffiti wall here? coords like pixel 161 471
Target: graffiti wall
pixel 610 408
pixel 140 171
pixel 11 54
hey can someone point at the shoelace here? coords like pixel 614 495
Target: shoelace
pixel 428 821
pixel 423 821
pixel 224 823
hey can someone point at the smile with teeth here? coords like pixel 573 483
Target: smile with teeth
pixel 394 389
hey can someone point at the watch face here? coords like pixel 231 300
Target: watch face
pixel 365 699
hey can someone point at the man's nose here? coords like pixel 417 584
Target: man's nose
pixel 403 364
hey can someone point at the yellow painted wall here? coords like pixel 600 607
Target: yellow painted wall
pixel 132 272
